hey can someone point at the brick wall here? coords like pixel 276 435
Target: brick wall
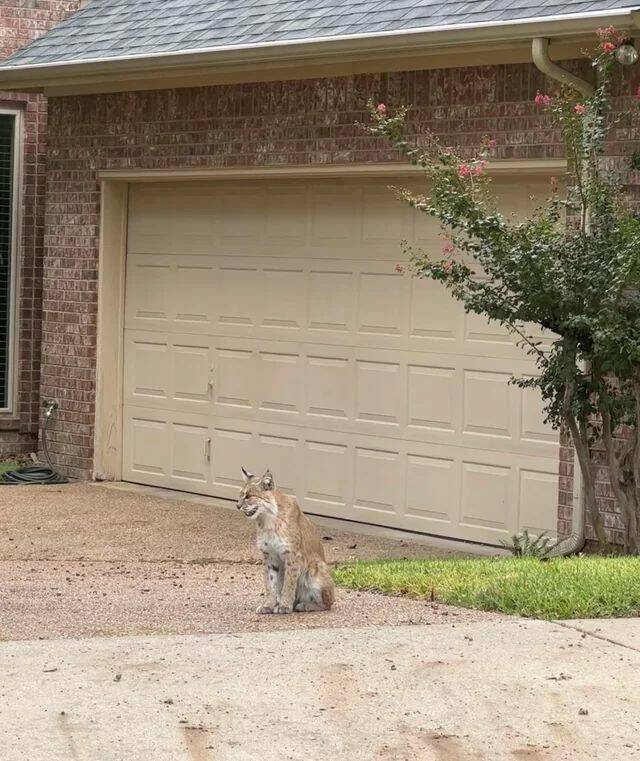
pixel 294 123
pixel 20 22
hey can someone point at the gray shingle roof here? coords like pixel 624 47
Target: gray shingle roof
pixel 127 28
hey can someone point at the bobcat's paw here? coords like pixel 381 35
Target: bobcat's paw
pixel 264 609
pixel 282 610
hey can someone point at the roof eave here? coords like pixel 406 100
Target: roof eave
pixel 38 77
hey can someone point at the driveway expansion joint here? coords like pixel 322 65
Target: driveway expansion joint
pixel 595 635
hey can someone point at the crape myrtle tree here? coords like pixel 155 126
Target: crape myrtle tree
pixel 571 269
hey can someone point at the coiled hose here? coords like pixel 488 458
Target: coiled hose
pixel 39 473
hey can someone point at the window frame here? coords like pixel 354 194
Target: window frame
pixel 16 236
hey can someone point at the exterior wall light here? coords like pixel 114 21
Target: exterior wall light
pixel 626 54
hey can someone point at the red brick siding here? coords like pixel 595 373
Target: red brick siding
pixel 21 21
pixel 19 24
pixel 284 123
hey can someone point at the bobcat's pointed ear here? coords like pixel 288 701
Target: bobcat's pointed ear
pixel 246 475
pixel 267 482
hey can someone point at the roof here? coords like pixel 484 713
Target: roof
pixel 127 29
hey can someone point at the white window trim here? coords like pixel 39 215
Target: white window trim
pixel 16 237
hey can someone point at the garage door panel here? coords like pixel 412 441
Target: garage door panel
pixel 354 303
pixel 190 444
pixel 170 293
pixel 433 491
pixel 473 494
pixel 434 315
pixel 334 226
pixel 268 325
pixel 329 385
pixel 379 483
pixel 148 359
pixel 382 299
pixel 191 363
pixel 193 294
pixel 488 403
pixel 469 402
pixel 380 394
pixel 148 288
pixel 166 371
pixel 537 500
pixel 234 379
pixel 434 399
pixel 243 218
pixel 328 480
pixel 486 496
pixel 147 449
pixel 161 223
pixel 238 295
pixel 234 447
pixel 283 298
pixel 280 382
pixel 332 307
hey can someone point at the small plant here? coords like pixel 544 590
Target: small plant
pixel 525 546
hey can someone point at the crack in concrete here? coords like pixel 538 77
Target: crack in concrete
pixel 601 637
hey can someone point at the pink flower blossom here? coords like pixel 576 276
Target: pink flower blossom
pixel 399 269
pixel 382 109
pixel 447 266
pixel 542 100
pixel 492 143
pixel 610 33
pixel 465 170
pixel 580 109
pixel 479 168
pixel 605 32
pixel 448 249
pixel 608 47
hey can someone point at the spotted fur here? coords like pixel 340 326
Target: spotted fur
pixel 296 574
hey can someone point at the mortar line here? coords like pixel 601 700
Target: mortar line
pixel 601 637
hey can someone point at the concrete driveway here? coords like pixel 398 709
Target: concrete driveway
pixel 474 690
pixel 85 568
pixel 87 560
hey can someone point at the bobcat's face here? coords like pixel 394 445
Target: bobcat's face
pixel 256 497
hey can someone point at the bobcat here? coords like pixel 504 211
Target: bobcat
pixel 296 574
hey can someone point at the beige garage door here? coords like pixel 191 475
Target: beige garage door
pixel 266 325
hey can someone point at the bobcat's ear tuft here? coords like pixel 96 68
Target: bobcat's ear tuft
pixel 267 481
pixel 246 475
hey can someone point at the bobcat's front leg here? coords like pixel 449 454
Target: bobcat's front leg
pixel 270 587
pixel 287 595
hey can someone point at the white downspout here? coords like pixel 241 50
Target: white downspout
pixel 576 540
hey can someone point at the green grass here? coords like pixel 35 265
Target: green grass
pixel 579 587
pixel 6 465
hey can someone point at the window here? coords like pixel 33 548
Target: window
pixel 8 176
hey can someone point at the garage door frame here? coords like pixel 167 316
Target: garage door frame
pixel 108 436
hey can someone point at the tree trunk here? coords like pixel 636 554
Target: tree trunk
pixel 623 480
pixel 581 444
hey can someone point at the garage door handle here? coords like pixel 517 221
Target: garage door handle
pixel 211 382
pixel 207 450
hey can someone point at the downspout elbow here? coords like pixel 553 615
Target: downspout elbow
pixel 540 53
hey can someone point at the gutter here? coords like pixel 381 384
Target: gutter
pixel 576 540
pixel 316 49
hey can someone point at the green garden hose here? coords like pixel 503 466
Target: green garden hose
pixel 38 473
